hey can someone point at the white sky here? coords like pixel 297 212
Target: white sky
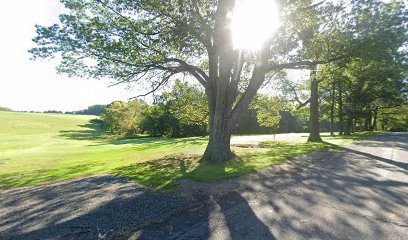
pixel 27 85
pixel 35 85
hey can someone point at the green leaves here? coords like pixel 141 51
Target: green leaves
pixel 124 119
pixel 188 103
pixel 268 111
pixel 151 41
pixel 125 39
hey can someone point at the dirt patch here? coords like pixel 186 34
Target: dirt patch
pixel 245 145
pixel 3 161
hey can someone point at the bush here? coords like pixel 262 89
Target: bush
pixel 123 118
pixel 182 112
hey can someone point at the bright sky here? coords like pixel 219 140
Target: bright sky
pixel 28 85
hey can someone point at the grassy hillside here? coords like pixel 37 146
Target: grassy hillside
pixel 37 148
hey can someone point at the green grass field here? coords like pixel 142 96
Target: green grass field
pixel 38 148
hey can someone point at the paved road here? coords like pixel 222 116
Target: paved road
pixel 359 193
pixel 256 139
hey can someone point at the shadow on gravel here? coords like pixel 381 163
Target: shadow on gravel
pixel 228 218
pixel 89 208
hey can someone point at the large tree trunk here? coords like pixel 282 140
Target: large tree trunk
pixel 221 88
pixel 374 126
pixel 224 117
pixel 349 126
pixel 314 110
pixel 333 104
pixel 341 112
pixel 218 148
pixel 354 125
pixel 383 122
pixel 367 123
pixel 225 67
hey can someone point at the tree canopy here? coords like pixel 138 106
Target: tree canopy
pixel 149 41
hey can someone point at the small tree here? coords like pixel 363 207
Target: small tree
pixel 268 111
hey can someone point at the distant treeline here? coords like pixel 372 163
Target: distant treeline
pixel 5 109
pixel 95 110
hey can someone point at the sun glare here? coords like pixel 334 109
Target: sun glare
pixel 253 22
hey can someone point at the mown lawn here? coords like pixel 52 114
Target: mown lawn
pixel 38 148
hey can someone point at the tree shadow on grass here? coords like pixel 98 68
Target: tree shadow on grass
pixel 159 173
pixel 91 131
pixel 23 179
pixel 163 173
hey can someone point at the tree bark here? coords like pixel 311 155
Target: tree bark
pixel 220 88
pixel 333 104
pixel 382 122
pixel 341 113
pixel 314 109
pixel 349 124
pixel 218 148
pixel 224 114
pixel 353 125
pixel 375 117
pixel 225 67
pixel 367 123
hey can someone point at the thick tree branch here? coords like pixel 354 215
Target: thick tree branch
pixel 296 96
pixel 164 80
pixel 198 73
pixel 303 104
pixel 303 64
pixel 257 79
